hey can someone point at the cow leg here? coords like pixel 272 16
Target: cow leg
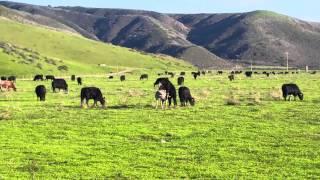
pixel 95 103
pixel 169 101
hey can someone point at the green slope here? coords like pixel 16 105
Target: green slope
pixel 78 54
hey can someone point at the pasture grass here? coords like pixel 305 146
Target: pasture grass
pixel 262 137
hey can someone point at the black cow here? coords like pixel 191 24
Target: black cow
pixel 182 73
pixel 170 89
pixel 248 74
pixel 291 89
pixel 59 84
pixel 110 77
pixel 203 73
pixel 79 80
pixel 38 77
pixel 180 81
pixel 41 92
pixel 3 78
pixel 171 74
pixel 144 76
pixel 94 93
pixel 122 78
pixel 185 96
pixel 195 75
pixel 231 77
pixel 12 78
pixel 50 77
pixel 73 77
pixel 220 72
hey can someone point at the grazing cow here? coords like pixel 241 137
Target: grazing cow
pixel 110 77
pixel 268 74
pixel 231 77
pixel 182 73
pixel 180 81
pixel 3 78
pixel 7 85
pixel 203 73
pixel 94 93
pixel 59 84
pixel 12 78
pixel 171 74
pixel 195 75
pixel 50 77
pixel 220 72
pixel 144 76
pixel 291 89
pixel 161 97
pixel 248 74
pixel 73 77
pixel 38 77
pixel 122 78
pixel 169 87
pixel 41 92
pixel 185 96
pixel 79 80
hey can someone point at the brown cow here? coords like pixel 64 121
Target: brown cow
pixel 7 85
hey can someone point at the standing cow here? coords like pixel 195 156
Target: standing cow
pixel 161 97
pixel 185 96
pixel 180 81
pixel 7 85
pixel 12 78
pixel 59 84
pixel 291 90
pixel 50 77
pixel 41 92
pixel 122 78
pixel 94 93
pixel 169 87
pixel 73 77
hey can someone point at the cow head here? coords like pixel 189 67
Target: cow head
pixel 192 101
pixel 300 96
pixel 103 101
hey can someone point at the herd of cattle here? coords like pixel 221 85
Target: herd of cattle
pixel 166 92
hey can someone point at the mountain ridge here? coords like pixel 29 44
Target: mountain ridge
pixel 206 40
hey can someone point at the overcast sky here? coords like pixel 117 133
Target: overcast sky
pixel 303 9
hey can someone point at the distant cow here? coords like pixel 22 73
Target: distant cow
pixel 41 92
pixel 185 96
pixel 161 97
pixel 144 76
pixel 196 74
pixel 59 84
pixel 231 77
pixel 94 93
pixel 79 80
pixel 50 77
pixel 38 77
pixel 122 78
pixel 7 85
pixel 12 78
pixel 171 74
pixel 180 81
pixel 182 73
pixel 169 87
pixel 3 78
pixel 110 77
pixel 73 77
pixel 248 74
pixel 291 89
pixel 220 72
pixel 203 73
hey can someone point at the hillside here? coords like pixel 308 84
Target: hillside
pixel 29 49
pixel 205 40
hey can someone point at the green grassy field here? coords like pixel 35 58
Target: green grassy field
pixel 31 49
pixel 261 137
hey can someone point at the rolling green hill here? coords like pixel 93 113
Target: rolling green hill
pixel 27 49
